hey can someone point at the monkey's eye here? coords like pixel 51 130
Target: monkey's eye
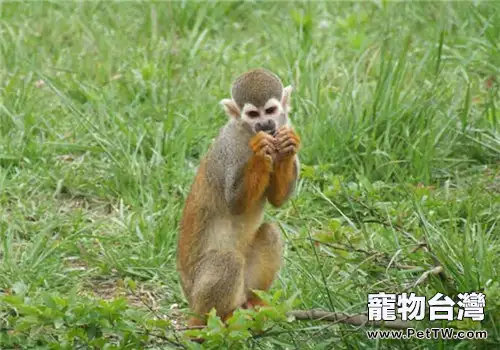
pixel 253 114
pixel 271 110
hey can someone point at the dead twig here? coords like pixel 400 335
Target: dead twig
pixel 434 271
pixel 371 254
pixel 359 320
pixel 378 218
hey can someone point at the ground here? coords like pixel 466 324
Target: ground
pixel 106 109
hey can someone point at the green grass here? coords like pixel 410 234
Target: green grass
pixel 106 109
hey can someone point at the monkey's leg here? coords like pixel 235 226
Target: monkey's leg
pixel 263 262
pixel 219 284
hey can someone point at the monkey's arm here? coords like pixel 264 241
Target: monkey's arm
pixel 286 169
pixel 246 186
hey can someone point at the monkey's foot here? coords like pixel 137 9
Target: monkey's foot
pixel 251 303
pixel 227 317
pixel 196 323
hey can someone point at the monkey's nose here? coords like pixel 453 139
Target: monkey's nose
pixel 268 127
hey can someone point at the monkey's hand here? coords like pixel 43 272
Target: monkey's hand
pixel 287 143
pixel 263 145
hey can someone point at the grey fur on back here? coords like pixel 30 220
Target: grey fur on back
pixel 256 87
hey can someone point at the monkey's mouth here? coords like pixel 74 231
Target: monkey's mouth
pixel 271 131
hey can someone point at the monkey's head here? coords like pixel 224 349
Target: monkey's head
pixel 259 100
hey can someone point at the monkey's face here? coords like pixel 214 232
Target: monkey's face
pixel 268 118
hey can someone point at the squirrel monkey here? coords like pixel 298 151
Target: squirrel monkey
pixel 225 249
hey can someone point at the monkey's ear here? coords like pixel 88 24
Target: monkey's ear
pixel 285 99
pixel 231 108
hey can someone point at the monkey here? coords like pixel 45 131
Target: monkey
pixel 225 250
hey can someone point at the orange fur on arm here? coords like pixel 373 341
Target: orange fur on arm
pixel 282 181
pixel 251 185
pixel 256 179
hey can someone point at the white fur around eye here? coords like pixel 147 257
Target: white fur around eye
pixel 249 108
pixel 270 104
pixel 273 110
